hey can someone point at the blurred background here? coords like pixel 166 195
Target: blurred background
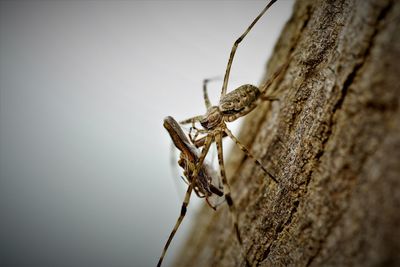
pixel 85 170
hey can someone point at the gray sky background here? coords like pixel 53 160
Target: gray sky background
pixel 85 174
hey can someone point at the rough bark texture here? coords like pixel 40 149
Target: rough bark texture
pixel 333 141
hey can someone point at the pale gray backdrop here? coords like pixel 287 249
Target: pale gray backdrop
pixel 85 170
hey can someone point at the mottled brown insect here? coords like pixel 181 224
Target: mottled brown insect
pixel 207 183
pixel 198 175
pixel 231 106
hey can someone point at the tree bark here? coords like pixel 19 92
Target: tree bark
pixel 333 142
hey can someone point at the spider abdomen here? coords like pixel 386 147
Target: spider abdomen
pixel 239 102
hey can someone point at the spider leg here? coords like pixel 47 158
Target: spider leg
pixel 198 131
pixel 235 45
pixel 205 94
pixel 245 150
pixel 191 137
pixel 184 180
pixel 178 222
pixel 227 192
pixel 185 203
pixel 209 204
pixel 206 101
pixel 264 87
pixel 191 120
pixel 200 142
pixel 204 151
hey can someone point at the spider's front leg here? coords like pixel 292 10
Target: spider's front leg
pixel 227 193
pixel 195 137
pixel 177 224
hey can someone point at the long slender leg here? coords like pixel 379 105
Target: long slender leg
pixel 203 154
pixel 227 192
pixel 178 222
pixel 206 99
pixel 245 150
pixel 192 138
pixel 267 84
pixel 204 151
pixel 235 45
pixel 192 119
pixel 190 132
pixel 200 142
pixel 205 93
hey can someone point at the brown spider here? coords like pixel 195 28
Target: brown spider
pixel 231 106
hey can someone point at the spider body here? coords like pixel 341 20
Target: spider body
pixel 239 102
pixel 232 106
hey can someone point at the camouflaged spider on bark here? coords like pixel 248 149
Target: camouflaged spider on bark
pixel 231 106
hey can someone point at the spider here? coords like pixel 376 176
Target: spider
pixel 231 106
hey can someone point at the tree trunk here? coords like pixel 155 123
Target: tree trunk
pixel 333 142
